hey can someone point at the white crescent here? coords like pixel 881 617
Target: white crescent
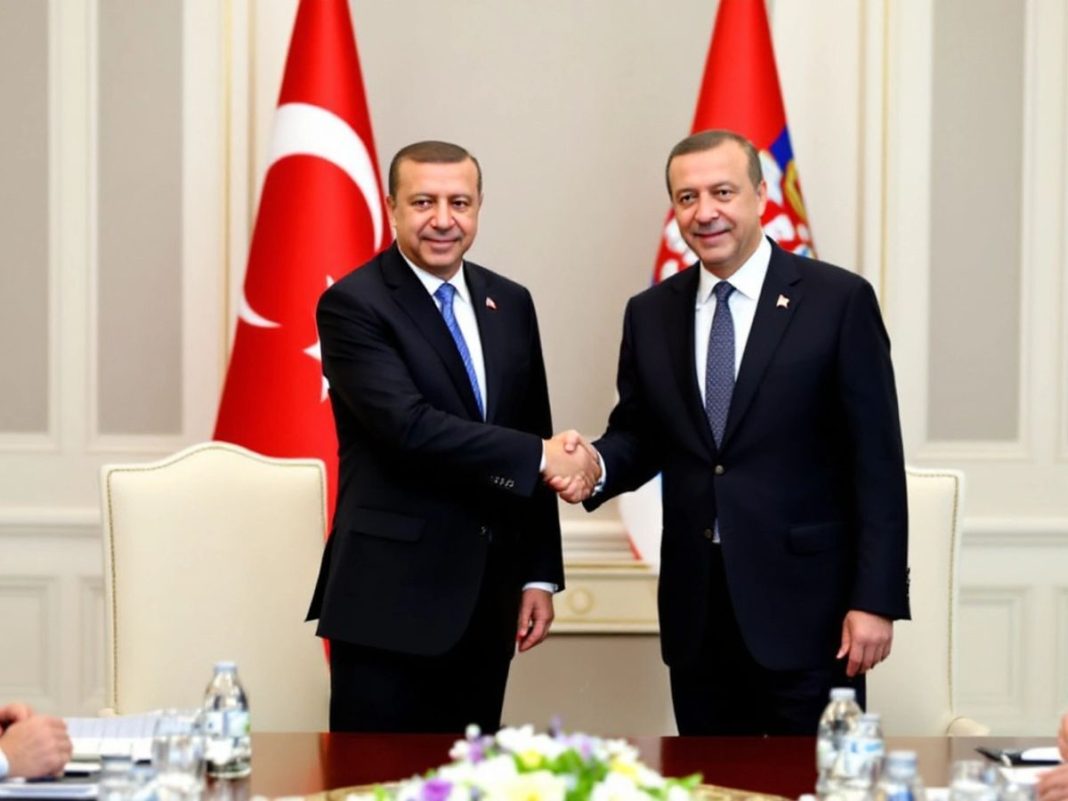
pixel 304 129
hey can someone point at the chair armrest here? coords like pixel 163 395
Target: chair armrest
pixel 966 727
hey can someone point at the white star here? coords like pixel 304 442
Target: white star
pixel 316 352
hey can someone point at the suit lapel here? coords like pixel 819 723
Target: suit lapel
pixel 416 302
pixel 769 325
pixel 679 337
pixel 492 335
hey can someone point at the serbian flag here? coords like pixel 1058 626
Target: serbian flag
pixel 321 215
pixel 740 92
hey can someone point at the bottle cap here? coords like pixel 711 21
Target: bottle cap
pixel 843 694
pixel 225 666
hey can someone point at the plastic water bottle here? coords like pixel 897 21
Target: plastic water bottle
pixel 840 716
pixel 860 760
pixel 229 746
pixel 899 781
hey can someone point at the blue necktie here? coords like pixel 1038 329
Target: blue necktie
pixel 445 294
pixel 719 368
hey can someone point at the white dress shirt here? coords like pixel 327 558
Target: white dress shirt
pixel 464 311
pixel 4 766
pixel 747 283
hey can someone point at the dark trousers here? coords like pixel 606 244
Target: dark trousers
pixel 726 692
pixel 372 690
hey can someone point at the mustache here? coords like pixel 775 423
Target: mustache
pixel 715 227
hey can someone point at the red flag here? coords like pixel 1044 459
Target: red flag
pixel 321 215
pixel 740 92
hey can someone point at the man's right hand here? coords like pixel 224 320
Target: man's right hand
pixel 36 746
pixel 571 466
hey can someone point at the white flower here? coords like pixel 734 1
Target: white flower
pixel 618 787
pixel 539 785
pixel 677 793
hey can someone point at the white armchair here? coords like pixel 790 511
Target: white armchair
pixel 212 554
pixel 914 688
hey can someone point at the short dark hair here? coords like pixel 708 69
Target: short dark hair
pixel 430 152
pixel 710 140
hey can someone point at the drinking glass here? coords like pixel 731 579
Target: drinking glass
pixel 973 780
pixel 178 755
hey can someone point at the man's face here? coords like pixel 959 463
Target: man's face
pixel 435 213
pixel 717 207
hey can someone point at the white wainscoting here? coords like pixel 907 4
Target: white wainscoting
pixel 1012 634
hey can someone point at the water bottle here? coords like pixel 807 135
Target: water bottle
pixel 860 760
pixel 840 716
pixel 229 747
pixel 899 781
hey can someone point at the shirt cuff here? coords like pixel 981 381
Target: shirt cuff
pixel 4 766
pixel 544 460
pixel 598 488
pixel 541 585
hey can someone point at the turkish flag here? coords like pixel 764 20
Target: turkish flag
pixel 740 92
pixel 321 215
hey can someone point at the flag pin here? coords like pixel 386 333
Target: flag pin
pixel 491 303
pixel 783 302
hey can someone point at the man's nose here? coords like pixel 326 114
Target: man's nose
pixel 442 215
pixel 707 208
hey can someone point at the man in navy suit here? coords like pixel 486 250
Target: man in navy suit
pixel 446 544
pixel 759 384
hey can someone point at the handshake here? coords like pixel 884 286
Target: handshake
pixel 572 466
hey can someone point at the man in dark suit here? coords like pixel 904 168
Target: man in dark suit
pixel 759 383
pixel 444 537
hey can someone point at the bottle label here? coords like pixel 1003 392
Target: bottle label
pixel 213 723
pixel 237 723
pixel 859 754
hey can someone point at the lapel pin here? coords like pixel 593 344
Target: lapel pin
pixel 783 302
pixel 491 303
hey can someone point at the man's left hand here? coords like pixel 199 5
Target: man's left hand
pixel 535 617
pixel 866 639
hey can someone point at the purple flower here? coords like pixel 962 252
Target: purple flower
pixel 436 790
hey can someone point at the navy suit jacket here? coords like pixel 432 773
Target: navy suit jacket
pixel 809 484
pixel 425 485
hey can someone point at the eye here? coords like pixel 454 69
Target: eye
pixel 686 198
pixel 461 204
pixel 724 193
pixel 421 203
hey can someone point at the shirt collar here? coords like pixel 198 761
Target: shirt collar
pixel 431 282
pixel 748 280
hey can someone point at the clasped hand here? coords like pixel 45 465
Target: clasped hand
pixel 572 467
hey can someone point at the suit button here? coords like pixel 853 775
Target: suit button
pixel 709 534
pixel 720 470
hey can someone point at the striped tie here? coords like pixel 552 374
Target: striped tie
pixel 445 294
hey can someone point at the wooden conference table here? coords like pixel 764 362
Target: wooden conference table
pixel 302 764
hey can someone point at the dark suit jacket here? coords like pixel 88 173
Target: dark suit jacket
pixel 424 484
pixel 809 486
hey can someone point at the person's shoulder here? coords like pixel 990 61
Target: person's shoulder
pixel 494 281
pixel 817 273
pixel 681 282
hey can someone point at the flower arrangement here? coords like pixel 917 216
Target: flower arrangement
pixel 518 764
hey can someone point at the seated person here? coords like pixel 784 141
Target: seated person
pixel 31 746
pixel 1053 784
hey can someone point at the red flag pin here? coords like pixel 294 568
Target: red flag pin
pixel 783 302
pixel 491 303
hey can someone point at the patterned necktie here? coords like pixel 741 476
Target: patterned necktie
pixel 445 294
pixel 719 368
